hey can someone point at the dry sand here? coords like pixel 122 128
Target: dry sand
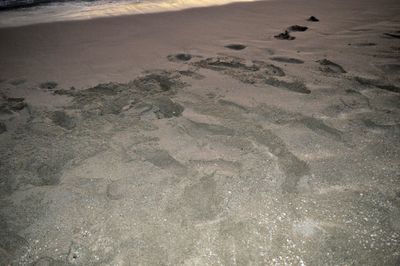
pixel 198 138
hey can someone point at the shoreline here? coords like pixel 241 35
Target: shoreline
pixel 78 11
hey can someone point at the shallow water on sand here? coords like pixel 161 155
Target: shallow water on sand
pixel 79 10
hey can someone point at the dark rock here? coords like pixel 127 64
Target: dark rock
pixel 284 36
pixel 313 19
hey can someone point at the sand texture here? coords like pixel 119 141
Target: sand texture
pixel 204 137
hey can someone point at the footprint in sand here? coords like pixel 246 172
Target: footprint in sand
pixel 166 108
pixel 377 83
pixel 247 72
pixel 12 104
pixel 17 82
pixel 364 44
pixel 295 86
pixel 48 85
pixel 390 68
pixel 328 66
pixel 295 28
pixel 270 69
pixel 12 245
pixel 288 60
pixel 237 47
pixel 60 118
pixel 162 159
pixel 202 200
pixel 181 57
pixel 392 35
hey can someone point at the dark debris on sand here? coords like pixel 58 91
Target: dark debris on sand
pixel 284 36
pixel 236 46
pixel 313 19
pixel 297 28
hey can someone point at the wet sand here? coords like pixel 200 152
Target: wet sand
pixel 200 138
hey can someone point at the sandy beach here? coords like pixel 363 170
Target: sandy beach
pixel 243 134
